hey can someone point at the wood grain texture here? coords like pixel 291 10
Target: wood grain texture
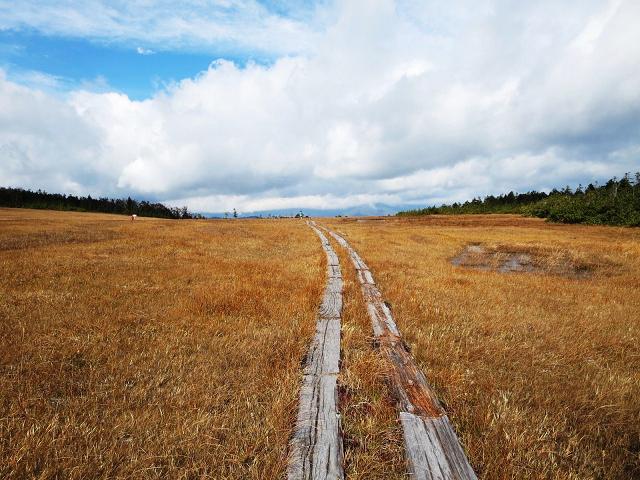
pixel 331 305
pixel 316 445
pixel 315 450
pixel 324 353
pixel 431 445
pixel 439 457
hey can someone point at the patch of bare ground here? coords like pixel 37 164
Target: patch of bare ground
pixel 530 259
pixel 539 373
pixel 154 348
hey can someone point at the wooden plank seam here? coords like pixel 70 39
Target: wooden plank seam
pixel 315 448
pixel 432 447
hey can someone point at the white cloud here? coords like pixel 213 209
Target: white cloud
pixel 483 176
pixel 251 204
pixel 391 103
pixel 144 51
pixel 209 25
pixel 36 80
pixel 587 40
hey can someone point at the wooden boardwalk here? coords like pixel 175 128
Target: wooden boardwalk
pixel 315 450
pixel 432 447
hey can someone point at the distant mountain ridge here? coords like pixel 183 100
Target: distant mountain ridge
pixel 358 211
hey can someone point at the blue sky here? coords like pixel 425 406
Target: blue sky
pixel 81 63
pixel 222 104
pixel 138 67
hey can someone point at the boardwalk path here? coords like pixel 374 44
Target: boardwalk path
pixel 316 444
pixel 432 448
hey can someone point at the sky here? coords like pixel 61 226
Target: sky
pixel 355 105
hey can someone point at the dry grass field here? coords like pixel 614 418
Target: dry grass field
pixel 173 349
pixel 540 371
pixel 152 348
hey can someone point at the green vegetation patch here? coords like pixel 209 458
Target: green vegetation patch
pixel 615 203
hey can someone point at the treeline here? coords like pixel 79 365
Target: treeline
pixel 617 202
pixel 21 198
pixel 507 203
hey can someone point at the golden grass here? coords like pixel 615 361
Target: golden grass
pixel 160 348
pixel 539 372
pixel 153 348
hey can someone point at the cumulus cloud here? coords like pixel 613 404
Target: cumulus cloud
pixel 395 103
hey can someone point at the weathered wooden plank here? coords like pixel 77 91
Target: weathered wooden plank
pixel 333 271
pixel 331 305
pixel 382 313
pixel 371 292
pixel 316 445
pixel 413 393
pixel 357 261
pixel 442 457
pixel 315 450
pixel 334 284
pixel 364 276
pixel 432 448
pixel 376 324
pixel 324 352
pixel 341 241
pixel 332 258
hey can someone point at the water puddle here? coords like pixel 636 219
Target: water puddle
pixel 502 260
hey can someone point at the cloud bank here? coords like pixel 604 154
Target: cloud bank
pixel 397 103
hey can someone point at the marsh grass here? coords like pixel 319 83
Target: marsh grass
pixel 173 349
pixel 151 349
pixel 538 372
